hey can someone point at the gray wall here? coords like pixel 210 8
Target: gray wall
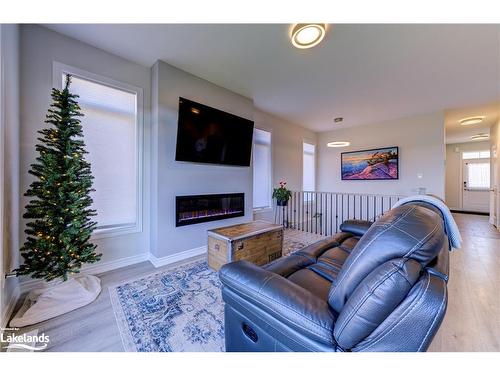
pixel 287 139
pixel 421 147
pixel 171 178
pixel 286 147
pixel 40 47
pixel 9 118
pixel 421 139
pixel 164 178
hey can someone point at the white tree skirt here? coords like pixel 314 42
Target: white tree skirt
pixel 46 303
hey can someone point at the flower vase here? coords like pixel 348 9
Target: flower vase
pixel 282 203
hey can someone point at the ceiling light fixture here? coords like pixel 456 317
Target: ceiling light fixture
pixel 307 35
pixel 338 144
pixel 480 136
pixel 338 119
pixel 471 120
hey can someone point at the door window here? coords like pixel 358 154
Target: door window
pixel 478 176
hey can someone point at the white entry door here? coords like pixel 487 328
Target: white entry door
pixel 476 185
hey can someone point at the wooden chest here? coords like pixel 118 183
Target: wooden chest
pixel 258 242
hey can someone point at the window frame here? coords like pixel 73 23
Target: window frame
pixel 478 154
pixel 479 161
pixel 58 69
pixel 304 142
pixel 270 187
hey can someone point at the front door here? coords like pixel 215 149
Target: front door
pixel 476 185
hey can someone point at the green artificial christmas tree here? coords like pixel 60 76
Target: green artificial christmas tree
pixel 60 225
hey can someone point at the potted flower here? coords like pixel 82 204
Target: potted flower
pixel 282 194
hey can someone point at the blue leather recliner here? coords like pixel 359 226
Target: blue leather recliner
pixel 372 287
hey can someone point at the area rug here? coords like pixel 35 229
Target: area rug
pixel 177 309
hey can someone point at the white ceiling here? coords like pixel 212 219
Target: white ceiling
pixel 364 73
pixel 456 133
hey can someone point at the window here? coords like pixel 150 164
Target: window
pixel 111 129
pixel 309 167
pixel 476 154
pixel 262 169
pixel 478 176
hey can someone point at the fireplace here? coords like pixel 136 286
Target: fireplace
pixel 192 209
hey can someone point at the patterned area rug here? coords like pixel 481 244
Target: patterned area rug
pixel 174 310
pixel 179 308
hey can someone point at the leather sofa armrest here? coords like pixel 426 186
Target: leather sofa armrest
pixel 285 266
pixel 356 227
pixel 316 249
pixel 285 301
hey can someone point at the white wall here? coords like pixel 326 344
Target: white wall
pixel 9 170
pixel 286 145
pixel 40 47
pixel 171 178
pixel 421 150
pixel 454 181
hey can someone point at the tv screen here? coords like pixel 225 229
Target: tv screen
pixel 208 135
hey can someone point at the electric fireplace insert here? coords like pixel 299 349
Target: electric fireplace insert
pixel 192 209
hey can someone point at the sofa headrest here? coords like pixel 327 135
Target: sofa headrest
pixel 429 206
pixel 409 231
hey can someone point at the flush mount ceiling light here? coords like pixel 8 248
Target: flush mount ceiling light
pixel 307 35
pixel 481 136
pixel 338 144
pixel 471 120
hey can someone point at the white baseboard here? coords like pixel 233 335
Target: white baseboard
pixel 91 269
pixel 9 308
pixel 177 257
pixel 97 268
pixel 101 267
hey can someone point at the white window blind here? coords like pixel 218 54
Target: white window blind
pixel 262 169
pixel 309 167
pixel 478 175
pixel 110 135
pixel 476 154
pixel 484 154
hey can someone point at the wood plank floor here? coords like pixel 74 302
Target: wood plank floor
pixel 472 321
pixel 91 328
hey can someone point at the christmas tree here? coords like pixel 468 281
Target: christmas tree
pixel 60 225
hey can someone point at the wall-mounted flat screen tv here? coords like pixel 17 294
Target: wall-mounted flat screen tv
pixel 209 135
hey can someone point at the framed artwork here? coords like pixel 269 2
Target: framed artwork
pixel 373 164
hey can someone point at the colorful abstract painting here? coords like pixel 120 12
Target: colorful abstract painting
pixel 374 164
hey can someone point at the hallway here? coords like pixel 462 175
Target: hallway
pixel 472 321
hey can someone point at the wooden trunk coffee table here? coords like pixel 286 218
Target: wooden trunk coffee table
pixel 258 242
